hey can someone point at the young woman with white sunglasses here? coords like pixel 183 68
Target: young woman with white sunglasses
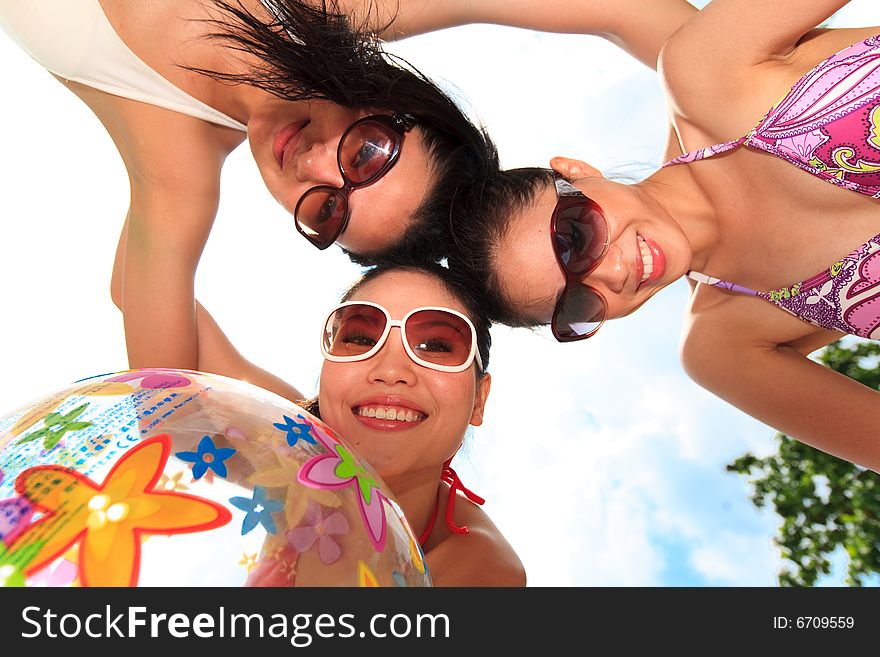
pixel 404 375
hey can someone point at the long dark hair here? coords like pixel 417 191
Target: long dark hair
pixel 314 52
pixel 458 284
pixel 481 217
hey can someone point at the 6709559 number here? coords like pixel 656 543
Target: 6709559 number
pixel 814 622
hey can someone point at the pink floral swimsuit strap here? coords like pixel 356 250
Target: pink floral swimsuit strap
pixel 829 125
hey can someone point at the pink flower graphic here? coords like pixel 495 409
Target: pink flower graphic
pixel 154 378
pixel 339 469
pixel 319 528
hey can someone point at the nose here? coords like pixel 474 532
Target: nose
pixel 317 165
pixel 392 365
pixel 612 272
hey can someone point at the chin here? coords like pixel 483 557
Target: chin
pixel 634 308
pixel 383 465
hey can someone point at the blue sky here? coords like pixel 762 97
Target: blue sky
pixel 602 462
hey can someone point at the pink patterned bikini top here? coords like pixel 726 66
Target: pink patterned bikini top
pixel 829 125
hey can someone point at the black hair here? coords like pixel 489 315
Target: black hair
pixel 481 217
pixel 458 284
pixel 314 52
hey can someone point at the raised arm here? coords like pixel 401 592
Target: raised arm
pixel 640 27
pixel 751 32
pixel 215 353
pixel 783 388
pixel 174 198
pixel 218 355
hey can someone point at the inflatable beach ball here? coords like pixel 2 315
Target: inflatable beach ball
pixel 178 478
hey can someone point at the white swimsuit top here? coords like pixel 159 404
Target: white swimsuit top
pixel 74 40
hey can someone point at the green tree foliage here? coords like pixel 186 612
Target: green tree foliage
pixel 825 503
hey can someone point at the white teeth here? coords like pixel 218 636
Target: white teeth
pixel 647 258
pixel 393 413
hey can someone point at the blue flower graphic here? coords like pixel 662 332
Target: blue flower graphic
pixel 207 456
pixel 296 431
pixel 259 510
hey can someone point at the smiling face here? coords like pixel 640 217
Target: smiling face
pixel 295 148
pixel 647 250
pixel 435 407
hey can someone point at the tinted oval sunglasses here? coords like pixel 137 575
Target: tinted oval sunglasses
pixel 368 149
pixel 580 237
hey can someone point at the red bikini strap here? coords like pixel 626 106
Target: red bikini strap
pixel 450 477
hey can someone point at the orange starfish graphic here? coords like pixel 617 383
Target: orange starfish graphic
pixel 107 520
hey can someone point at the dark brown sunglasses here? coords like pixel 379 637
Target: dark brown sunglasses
pixel 368 149
pixel 579 232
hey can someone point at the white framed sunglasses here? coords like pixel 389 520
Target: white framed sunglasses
pixel 434 337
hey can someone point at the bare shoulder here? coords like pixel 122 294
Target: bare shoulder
pixel 709 88
pixel 482 557
pixel 722 88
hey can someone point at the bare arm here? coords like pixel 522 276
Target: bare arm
pixel 214 352
pixel 163 243
pixel 640 27
pixel 218 355
pixel 752 32
pixel 783 388
pixel 175 192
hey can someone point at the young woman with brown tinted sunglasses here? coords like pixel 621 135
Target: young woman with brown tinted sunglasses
pixel 767 205
pixel 355 144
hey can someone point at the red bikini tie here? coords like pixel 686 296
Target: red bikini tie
pixel 450 477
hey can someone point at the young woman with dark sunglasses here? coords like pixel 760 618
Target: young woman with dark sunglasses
pixel 774 126
pixel 355 144
pixel 406 354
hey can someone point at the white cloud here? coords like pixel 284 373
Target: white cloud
pixel 731 559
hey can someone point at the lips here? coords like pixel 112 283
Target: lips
pixel 286 141
pixel 658 259
pixel 388 413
